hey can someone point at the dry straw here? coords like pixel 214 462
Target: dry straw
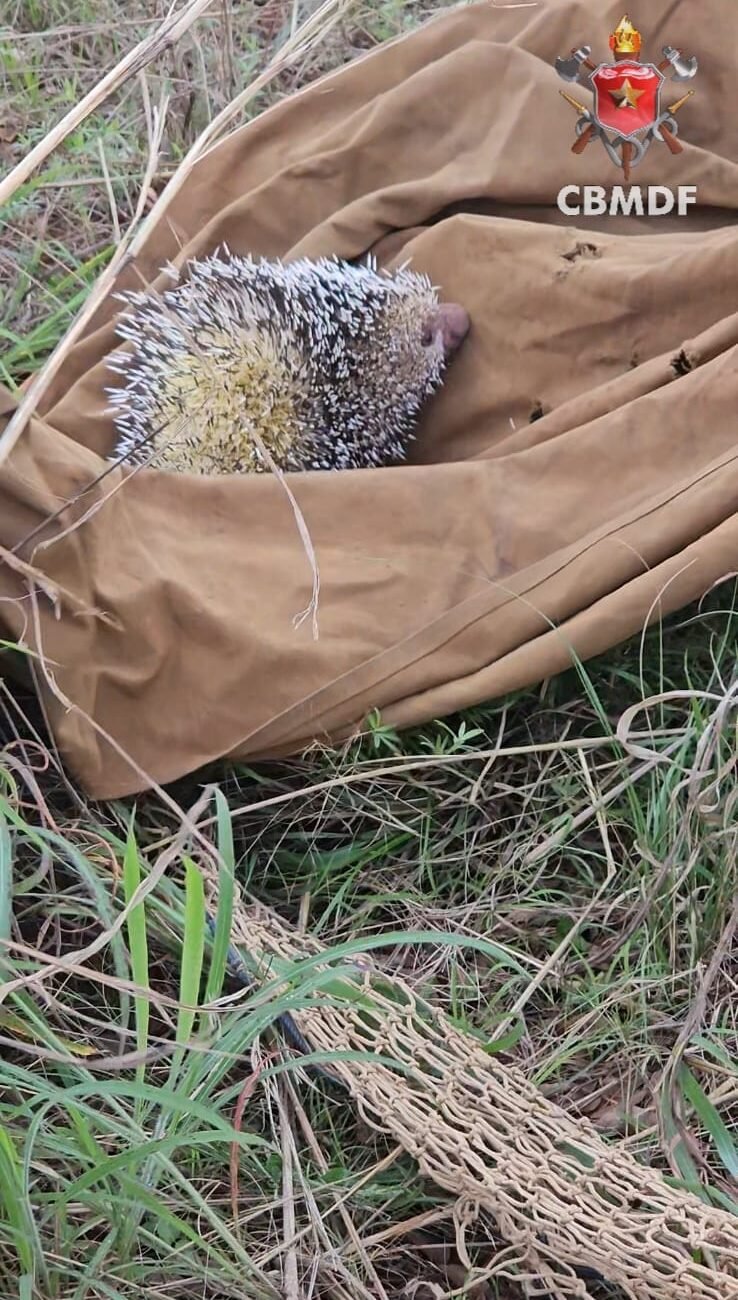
pixel 167 34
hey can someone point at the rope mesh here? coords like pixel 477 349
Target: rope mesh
pixel 556 1191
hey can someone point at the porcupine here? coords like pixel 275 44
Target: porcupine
pixel 329 363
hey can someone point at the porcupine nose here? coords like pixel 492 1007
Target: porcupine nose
pixel 452 323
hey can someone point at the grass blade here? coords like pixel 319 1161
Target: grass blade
pixel 710 1119
pixel 193 949
pixel 137 942
pixel 224 915
pixel 6 878
pixel 14 1202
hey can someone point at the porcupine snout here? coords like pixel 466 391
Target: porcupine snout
pixel 449 321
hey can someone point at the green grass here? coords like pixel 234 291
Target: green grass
pixel 142 1140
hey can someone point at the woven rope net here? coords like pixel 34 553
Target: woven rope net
pixel 561 1196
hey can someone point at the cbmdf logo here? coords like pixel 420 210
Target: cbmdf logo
pixel 628 113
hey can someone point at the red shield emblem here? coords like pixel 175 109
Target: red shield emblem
pixel 626 96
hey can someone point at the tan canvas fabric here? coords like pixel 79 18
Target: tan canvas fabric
pixel 506 544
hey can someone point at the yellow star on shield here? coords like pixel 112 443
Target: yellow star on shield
pixel 626 96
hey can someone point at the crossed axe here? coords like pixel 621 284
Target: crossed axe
pixel 665 127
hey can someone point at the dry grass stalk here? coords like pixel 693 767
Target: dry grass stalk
pixel 41 381
pixel 170 30
pixel 300 43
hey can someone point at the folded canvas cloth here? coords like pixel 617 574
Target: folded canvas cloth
pixel 507 545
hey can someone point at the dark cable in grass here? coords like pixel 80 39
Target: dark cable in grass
pixel 240 974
